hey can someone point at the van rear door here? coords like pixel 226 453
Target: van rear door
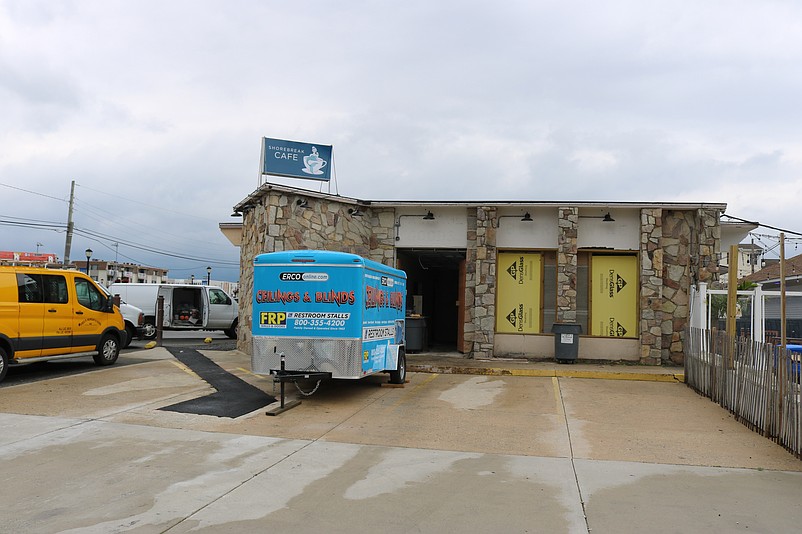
pixel 167 293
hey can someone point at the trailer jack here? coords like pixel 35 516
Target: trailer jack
pixel 283 376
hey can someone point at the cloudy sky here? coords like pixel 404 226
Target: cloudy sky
pixel 156 110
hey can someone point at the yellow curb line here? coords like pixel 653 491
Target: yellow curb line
pixel 186 369
pixel 604 375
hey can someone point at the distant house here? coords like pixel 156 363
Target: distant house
pixel 749 260
pixel 769 276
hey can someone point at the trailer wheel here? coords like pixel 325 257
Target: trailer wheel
pixel 108 350
pixel 399 376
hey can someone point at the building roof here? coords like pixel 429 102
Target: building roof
pixel 267 187
pixel 771 272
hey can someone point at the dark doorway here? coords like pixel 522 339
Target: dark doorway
pixel 433 284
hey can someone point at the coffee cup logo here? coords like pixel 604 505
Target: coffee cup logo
pixel 313 164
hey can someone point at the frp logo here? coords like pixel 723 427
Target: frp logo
pixel 272 319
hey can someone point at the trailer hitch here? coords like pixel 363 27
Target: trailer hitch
pixel 283 376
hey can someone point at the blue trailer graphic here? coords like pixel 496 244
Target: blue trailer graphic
pixel 328 312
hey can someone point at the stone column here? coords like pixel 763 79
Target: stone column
pixel 651 286
pixel 568 221
pixel 709 239
pixel 483 279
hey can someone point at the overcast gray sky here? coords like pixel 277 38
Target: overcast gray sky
pixel 156 109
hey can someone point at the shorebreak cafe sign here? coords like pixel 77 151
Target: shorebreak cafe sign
pixel 296 160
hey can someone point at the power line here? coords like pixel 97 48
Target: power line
pixel 761 224
pixel 146 204
pixel 32 192
pixel 89 233
pixel 106 217
pixel 99 237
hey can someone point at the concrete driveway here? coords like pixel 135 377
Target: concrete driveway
pixel 447 453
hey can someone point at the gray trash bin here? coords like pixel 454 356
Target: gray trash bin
pixel 566 341
pixel 416 334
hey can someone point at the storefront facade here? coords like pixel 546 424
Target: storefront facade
pixel 490 279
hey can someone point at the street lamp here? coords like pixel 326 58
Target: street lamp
pixel 208 275
pixel 88 256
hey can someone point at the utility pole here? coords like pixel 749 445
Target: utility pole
pixel 68 244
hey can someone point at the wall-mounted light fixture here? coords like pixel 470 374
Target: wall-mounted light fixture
pixel 429 216
pixel 302 203
pixel 605 218
pixel 526 218
pixel 242 210
pixel 355 212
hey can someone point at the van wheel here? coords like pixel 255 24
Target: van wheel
pixel 108 351
pixel 130 334
pixel 399 376
pixel 232 332
pixel 149 329
pixel 3 364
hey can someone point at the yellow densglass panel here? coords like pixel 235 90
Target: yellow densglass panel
pixel 614 300
pixel 518 293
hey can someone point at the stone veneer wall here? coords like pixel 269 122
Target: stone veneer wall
pixel 651 286
pixel 278 223
pixel 567 224
pixel 481 262
pixel 690 255
pixel 470 320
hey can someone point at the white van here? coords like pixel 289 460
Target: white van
pixel 186 306
pixel 133 317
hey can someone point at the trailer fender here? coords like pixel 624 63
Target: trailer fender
pixel 391 362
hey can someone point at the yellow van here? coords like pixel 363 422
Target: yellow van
pixel 47 314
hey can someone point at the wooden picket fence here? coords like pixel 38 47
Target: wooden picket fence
pixel 758 382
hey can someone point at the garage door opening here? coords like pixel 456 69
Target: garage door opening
pixel 435 291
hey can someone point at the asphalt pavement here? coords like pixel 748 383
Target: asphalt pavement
pixel 464 446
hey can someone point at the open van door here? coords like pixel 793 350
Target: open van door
pixel 167 293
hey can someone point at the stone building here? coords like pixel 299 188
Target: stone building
pixel 492 278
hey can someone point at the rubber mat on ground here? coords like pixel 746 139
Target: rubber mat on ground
pixel 234 396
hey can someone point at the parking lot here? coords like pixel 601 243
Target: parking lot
pixel 104 449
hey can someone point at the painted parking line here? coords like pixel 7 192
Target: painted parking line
pixel 405 398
